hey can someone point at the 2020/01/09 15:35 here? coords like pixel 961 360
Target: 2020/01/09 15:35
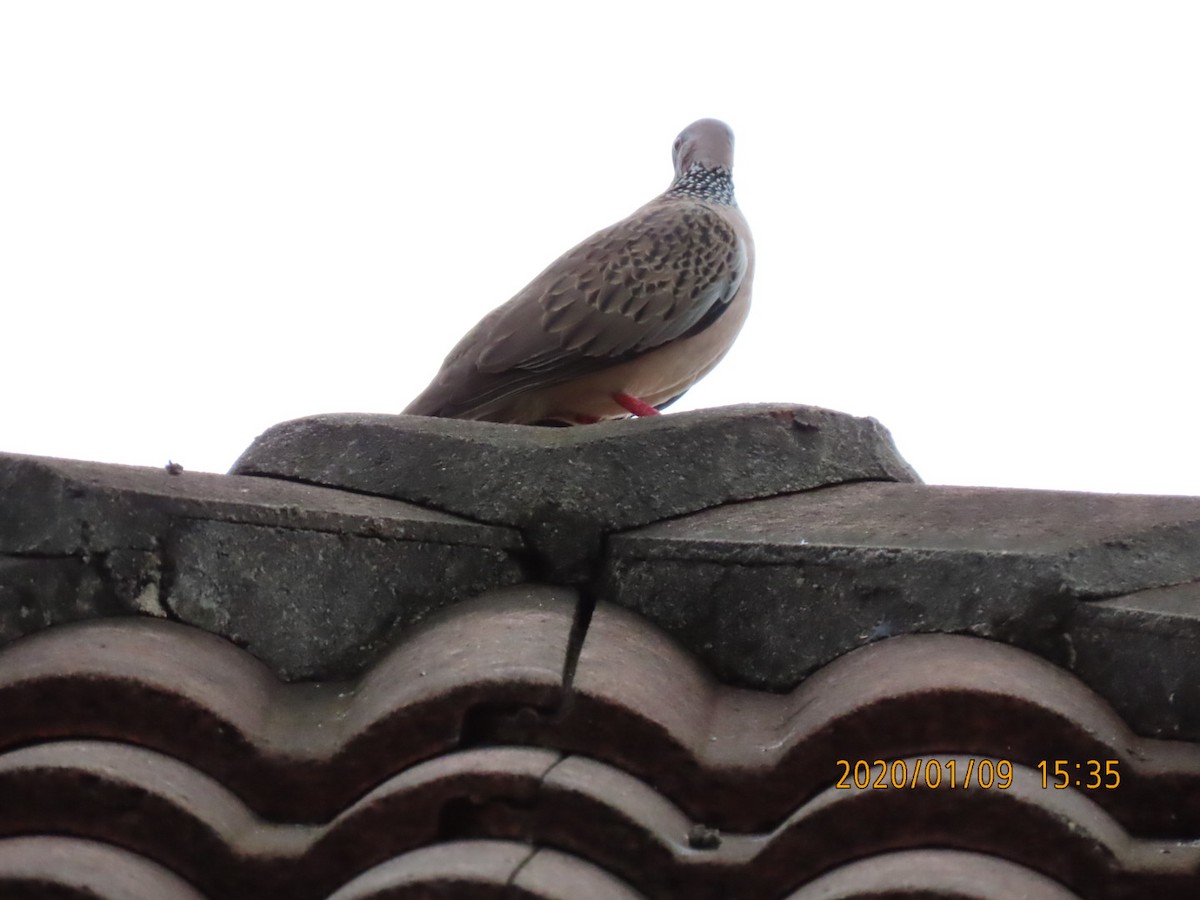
pixel 880 774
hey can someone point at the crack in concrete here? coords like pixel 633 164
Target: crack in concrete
pixel 342 532
pixel 465 521
pixel 585 605
pixel 533 851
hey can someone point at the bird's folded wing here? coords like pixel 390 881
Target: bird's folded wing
pixel 651 279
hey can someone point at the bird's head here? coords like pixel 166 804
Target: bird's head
pixel 707 143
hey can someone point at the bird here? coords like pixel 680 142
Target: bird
pixel 625 322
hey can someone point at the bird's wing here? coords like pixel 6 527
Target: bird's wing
pixel 666 272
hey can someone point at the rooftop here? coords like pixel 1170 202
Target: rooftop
pixel 390 654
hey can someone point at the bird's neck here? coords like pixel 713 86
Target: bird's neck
pixel 699 183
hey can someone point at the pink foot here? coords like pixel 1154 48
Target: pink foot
pixel 635 406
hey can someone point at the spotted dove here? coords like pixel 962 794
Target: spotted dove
pixel 625 322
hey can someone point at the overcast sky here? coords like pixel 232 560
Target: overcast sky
pixel 978 222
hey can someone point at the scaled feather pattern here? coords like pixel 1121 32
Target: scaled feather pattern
pixel 642 309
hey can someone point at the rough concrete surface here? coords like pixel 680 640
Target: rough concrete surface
pixel 311 580
pixel 767 591
pixel 566 488
pixel 1142 651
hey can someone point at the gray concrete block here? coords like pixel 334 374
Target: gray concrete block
pixel 767 591
pixel 313 581
pixel 1141 652
pixel 566 488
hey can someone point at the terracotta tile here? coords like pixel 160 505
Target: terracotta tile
pixel 55 867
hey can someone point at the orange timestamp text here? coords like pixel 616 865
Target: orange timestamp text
pixel 1089 774
pixel 960 772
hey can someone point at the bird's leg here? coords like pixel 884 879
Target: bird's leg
pixel 635 406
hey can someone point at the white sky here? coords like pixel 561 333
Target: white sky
pixel 978 222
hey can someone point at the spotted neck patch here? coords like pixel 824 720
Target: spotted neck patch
pixel 699 183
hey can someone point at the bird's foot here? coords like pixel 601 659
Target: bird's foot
pixel 635 406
